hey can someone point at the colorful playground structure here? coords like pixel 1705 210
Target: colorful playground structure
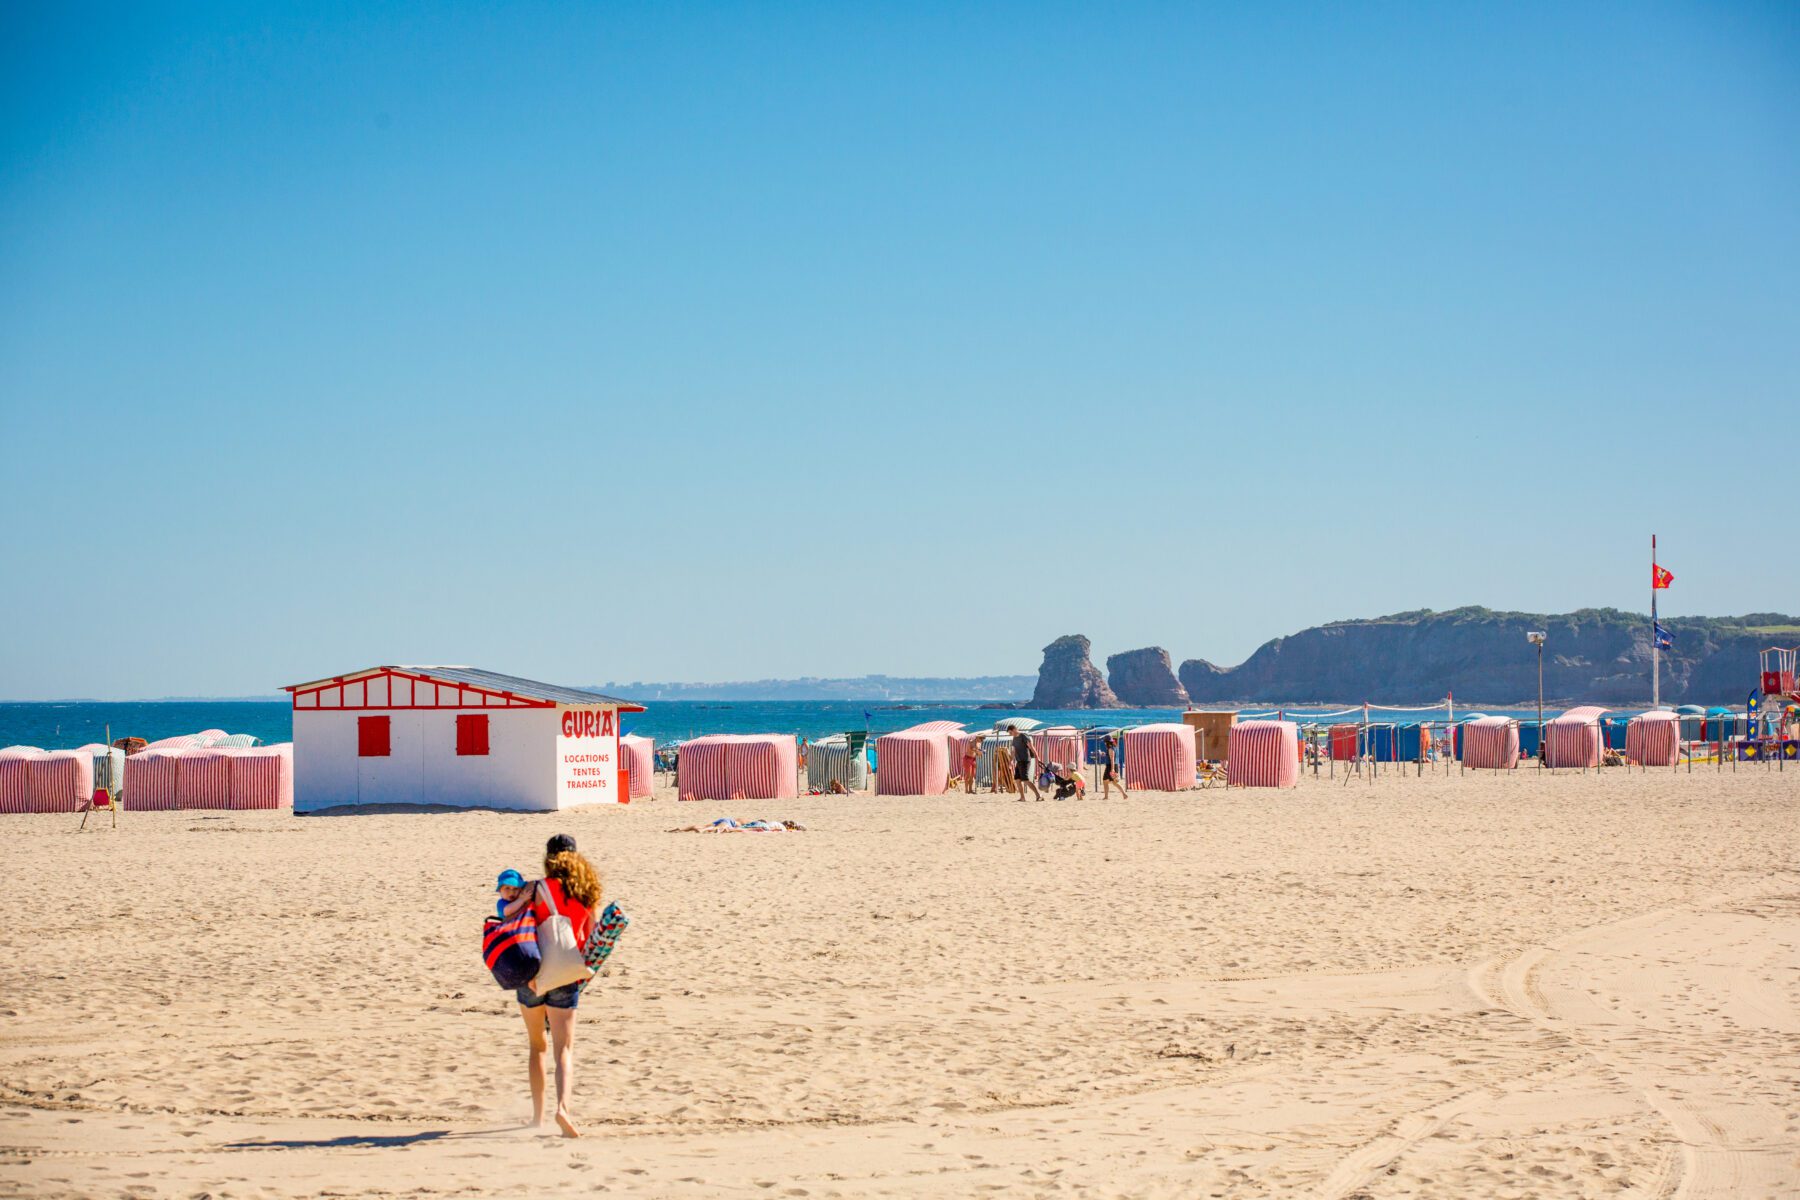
pixel 1774 717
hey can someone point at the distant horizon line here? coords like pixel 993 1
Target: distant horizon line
pixel 889 703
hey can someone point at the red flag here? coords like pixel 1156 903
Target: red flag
pixel 1660 577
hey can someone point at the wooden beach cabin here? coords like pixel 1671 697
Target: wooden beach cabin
pixel 459 737
pixel 1212 732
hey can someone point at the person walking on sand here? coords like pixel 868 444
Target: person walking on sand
pixel 1109 768
pixel 571 881
pixel 1022 774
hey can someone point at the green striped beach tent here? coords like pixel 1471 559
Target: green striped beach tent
pixel 839 757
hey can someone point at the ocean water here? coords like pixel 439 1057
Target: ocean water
pixel 61 726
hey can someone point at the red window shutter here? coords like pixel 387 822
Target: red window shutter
pixel 471 733
pixel 372 737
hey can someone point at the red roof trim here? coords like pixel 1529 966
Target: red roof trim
pixel 467 694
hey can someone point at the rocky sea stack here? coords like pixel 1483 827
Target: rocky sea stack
pixel 1068 679
pixel 1145 679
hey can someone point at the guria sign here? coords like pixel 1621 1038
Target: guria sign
pixel 587 722
pixel 587 757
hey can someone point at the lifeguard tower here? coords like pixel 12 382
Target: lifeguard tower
pixel 1778 673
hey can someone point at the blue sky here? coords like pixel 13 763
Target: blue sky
pixel 727 341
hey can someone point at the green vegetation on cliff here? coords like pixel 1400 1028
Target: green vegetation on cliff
pixel 1594 654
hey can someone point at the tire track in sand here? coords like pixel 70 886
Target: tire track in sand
pixel 1728 1148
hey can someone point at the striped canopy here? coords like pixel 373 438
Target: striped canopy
pixel 935 727
pixel 1490 743
pixel 1653 739
pixel 1160 758
pixel 637 754
pixel 1573 739
pixel 261 777
pixel 758 766
pixel 1264 754
pixel 44 781
pixel 912 763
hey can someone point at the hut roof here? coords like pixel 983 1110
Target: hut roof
pixel 492 681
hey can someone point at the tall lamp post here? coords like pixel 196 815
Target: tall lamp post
pixel 1536 638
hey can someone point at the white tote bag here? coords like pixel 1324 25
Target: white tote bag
pixel 559 953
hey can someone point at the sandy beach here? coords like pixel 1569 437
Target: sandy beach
pixel 1580 985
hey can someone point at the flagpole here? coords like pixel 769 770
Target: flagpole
pixel 1655 643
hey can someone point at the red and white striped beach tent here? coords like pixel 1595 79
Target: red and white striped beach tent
pixel 187 741
pixel 724 766
pixel 240 779
pixel 701 768
pixel 456 737
pixel 764 766
pixel 203 779
pixel 1063 744
pixel 954 736
pixel 912 762
pixel 15 778
pixel 1653 739
pixel 1160 758
pixel 638 755
pixel 1573 739
pixel 950 731
pixel 44 781
pixel 1264 754
pixel 961 743
pixel 152 780
pixel 262 777
pixel 1490 743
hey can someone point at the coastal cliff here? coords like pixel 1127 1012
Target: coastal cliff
pixel 1596 655
pixel 1145 679
pixel 1069 679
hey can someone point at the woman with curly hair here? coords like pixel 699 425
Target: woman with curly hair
pixel 573 883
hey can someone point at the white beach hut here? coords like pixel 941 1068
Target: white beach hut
pixel 453 736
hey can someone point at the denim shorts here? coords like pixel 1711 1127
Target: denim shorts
pixel 566 996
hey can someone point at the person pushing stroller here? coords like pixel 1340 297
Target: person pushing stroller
pixel 1023 776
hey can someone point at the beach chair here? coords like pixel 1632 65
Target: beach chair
pixel 1209 774
pixel 101 799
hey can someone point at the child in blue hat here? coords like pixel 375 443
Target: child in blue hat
pixel 509 885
